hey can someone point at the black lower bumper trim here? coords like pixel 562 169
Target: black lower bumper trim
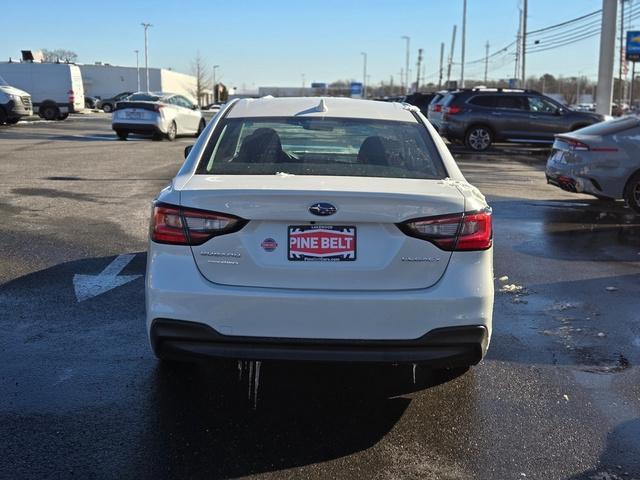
pixel 443 347
pixel 139 128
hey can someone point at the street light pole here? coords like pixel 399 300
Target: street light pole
pixel 138 69
pixel 146 51
pixel 364 75
pixel 523 52
pixel 215 88
pixel 406 69
pixel 464 41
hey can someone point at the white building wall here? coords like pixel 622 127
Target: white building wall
pixel 175 82
pixel 105 81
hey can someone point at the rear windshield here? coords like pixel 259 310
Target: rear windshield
pixel 3 82
pixel 143 97
pixel 322 146
pixel 612 126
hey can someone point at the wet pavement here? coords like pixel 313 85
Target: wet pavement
pixel 557 397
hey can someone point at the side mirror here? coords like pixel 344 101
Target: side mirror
pixel 187 150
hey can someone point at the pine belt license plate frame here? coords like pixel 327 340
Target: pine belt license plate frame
pixel 342 243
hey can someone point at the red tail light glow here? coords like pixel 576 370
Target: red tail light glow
pixel 437 107
pixel 184 226
pixel 452 110
pixel 577 146
pixel 72 96
pixel 459 232
pixel 158 107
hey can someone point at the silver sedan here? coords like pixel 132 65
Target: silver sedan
pixel 601 160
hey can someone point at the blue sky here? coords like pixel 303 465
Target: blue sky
pixel 273 42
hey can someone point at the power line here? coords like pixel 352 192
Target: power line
pixel 568 22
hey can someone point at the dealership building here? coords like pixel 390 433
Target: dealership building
pixel 104 81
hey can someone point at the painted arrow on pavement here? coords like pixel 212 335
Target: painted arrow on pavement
pixel 89 286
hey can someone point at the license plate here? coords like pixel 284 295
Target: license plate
pixel 322 243
pixel 133 115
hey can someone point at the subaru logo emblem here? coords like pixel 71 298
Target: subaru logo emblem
pixel 322 209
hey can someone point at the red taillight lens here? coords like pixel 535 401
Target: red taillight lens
pixel 437 108
pixel 577 146
pixel 459 232
pixel 452 110
pixel 184 226
pixel 157 108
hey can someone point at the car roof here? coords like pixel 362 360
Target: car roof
pixel 321 107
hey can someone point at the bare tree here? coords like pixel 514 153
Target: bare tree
pixel 59 55
pixel 200 70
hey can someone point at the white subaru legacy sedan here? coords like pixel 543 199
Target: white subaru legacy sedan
pixel 320 229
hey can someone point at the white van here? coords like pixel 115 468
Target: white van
pixel 56 88
pixel 14 103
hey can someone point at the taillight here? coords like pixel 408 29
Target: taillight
pixel 452 110
pixel 459 232
pixel 186 226
pixel 71 96
pixel 576 146
pixel 437 108
pixel 157 108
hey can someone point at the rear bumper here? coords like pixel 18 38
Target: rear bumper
pixel 389 325
pixel 445 347
pixel 140 128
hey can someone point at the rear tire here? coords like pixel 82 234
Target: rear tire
pixel 3 117
pixel 632 192
pixel 13 121
pixel 478 138
pixel 107 108
pixel 201 127
pixel 172 132
pixel 49 112
pixel 63 116
pixel 122 134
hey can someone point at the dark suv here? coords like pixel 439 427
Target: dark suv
pixel 481 116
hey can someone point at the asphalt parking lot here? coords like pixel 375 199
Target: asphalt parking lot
pixel 558 396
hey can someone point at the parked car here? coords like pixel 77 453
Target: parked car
pixel 601 160
pixel 434 110
pixel 214 107
pixel 320 229
pixel 56 88
pixel 420 100
pixel 481 116
pixel 108 104
pixel 14 103
pixel 91 102
pixel 162 115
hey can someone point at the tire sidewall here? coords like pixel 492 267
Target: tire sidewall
pixel 107 108
pixel 50 112
pixel 172 131
pixel 632 184
pixel 475 128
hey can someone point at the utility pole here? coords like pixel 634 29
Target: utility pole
pixel 621 95
pixel 450 60
pixel 215 87
pixel 146 51
pixel 516 72
pixel 464 41
pixel 402 81
pixel 486 61
pixel 364 75
pixel 418 69
pixel 607 49
pixel 138 69
pixel 406 79
pixel 525 9
pixel 441 65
